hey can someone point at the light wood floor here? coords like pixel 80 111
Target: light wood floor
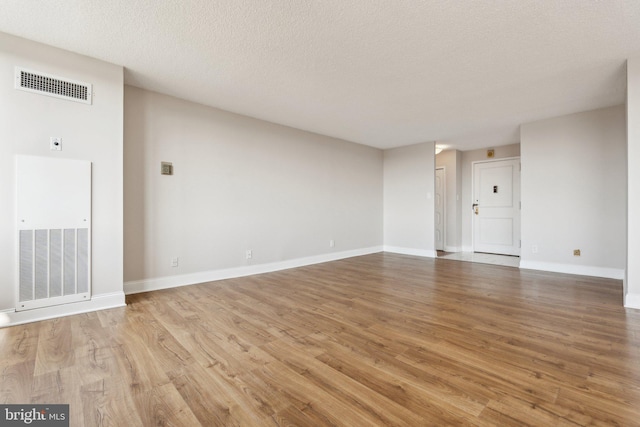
pixel 376 340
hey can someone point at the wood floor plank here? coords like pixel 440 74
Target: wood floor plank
pixel 315 402
pixel 485 383
pixel 108 403
pixel 16 382
pixel 113 318
pixel 55 349
pixel 137 366
pixel 599 406
pixel 198 343
pixel 430 401
pixel 167 351
pixel 60 387
pixel 18 344
pixel 92 345
pixel 162 406
pixel 215 401
pixel 554 413
pixel 376 340
pixel 345 387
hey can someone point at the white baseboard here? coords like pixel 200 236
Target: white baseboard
pixel 411 251
pixel 467 249
pixel 582 270
pixel 452 249
pixel 97 302
pixel 632 301
pixel 145 285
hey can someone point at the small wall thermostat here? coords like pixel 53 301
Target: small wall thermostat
pixel 166 168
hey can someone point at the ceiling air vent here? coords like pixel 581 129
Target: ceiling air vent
pixel 46 84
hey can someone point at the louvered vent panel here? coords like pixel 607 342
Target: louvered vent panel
pixel 53 263
pixel 42 264
pixel 26 265
pixel 49 85
pixel 54 231
pixel 55 272
pixel 69 275
pixel 82 281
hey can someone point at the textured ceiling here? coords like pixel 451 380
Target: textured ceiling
pixel 384 73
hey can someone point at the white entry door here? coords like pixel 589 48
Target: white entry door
pixel 439 202
pixel 496 207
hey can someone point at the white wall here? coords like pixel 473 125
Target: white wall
pixel 451 160
pixel 573 193
pixel 238 184
pixel 468 157
pixel 632 282
pixel 89 132
pixel 409 184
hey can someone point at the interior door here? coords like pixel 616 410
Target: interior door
pixel 496 207
pixel 439 202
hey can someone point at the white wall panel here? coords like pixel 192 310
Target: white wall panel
pixel 409 204
pixel 92 133
pixel 632 282
pixel 239 184
pixel 574 193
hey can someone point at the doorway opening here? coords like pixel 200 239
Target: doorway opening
pixel 496 207
pixel 493 192
pixel 440 215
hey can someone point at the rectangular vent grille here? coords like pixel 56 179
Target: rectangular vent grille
pixel 49 85
pixel 53 263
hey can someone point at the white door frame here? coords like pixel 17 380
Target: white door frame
pixel 444 205
pixel 473 190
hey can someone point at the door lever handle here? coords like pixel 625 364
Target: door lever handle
pixel 475 208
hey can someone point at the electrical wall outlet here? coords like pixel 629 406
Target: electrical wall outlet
pixel 576 252
pixel 249 254
pixel 534 249
pixel 174 262
pixel 332 243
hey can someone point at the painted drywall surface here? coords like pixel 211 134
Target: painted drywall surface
pixel 409 183
pixel 89 132
pixel 239 184
pixel 450 160
pixel 574 190
pixel 459 188
pixel 632 280
pixel 468 157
